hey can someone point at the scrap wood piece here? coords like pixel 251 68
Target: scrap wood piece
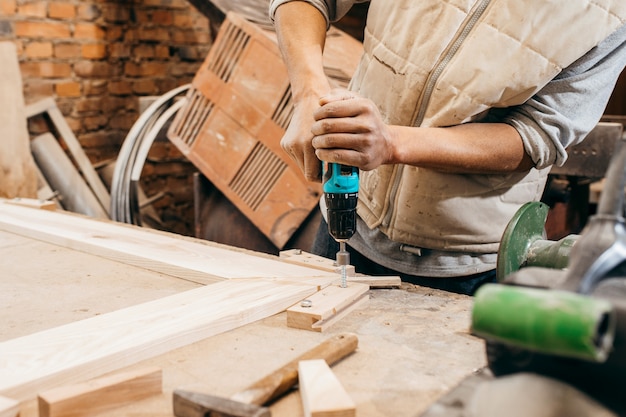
pixel 9 407
pixel 321 392
pixel 188 258
pixel 299 257
pixel 101 394
pixel 33 203
pixel 17 168
pixel 329 305
pixel 92 347
pixel 48 106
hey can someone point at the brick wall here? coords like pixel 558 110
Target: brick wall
pixel 96 58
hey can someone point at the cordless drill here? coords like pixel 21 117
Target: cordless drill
pixel 341 191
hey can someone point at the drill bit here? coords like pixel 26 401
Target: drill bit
pixel 343 260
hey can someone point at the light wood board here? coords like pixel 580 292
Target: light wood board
pixel 327 306
pixel 321 392
pixel 101 394
pixel 192 259
pixel 92 347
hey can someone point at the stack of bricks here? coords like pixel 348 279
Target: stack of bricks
pixel 97 58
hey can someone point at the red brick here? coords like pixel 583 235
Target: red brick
pixel 123 121
pixel 145 87
pixel 8 7
pixel 119 50
pixel 162 51
pixel 146 69
pixel 91 69
pixel 153 34
pixel 67 50
pixel 34 89
pixel 61 10
pixel 38 50
pixel 89 12
pixel 94 51
pixel 120 88
pixel 162 17
pixel 143 51
pixel 68 89
pixel 88 31
pixel 33 9
pixel 42 30
pixel 88 105
pixel 45 69
pixel 190 37
pixel 95 122
pixel 95 87
pixel 116 14
pixel 75 124
pixel 115 33
pixel 182 20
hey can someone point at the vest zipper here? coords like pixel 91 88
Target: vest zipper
pixel 456 43
pixel 470 22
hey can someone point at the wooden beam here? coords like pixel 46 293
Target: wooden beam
pixel 101 394
pixel 9 407
pixel 192 259
pixel 89 348
pixel 321 392
pixel 326 307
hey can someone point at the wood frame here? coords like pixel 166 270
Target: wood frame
pixel 244 287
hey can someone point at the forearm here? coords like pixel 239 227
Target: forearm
pixel 467 148
pixel 301 32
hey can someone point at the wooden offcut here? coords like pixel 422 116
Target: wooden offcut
pixel 101 394
pixel 327 306
pixel 18 174
pixel 321 392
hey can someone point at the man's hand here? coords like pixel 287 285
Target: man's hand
pixel 296 141
pixel 349 130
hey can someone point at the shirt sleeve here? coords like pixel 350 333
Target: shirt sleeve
pixel 332 10
pixel 563 112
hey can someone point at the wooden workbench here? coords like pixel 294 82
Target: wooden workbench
pixel 414 344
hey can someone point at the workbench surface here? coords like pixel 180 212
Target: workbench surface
pixel 414 343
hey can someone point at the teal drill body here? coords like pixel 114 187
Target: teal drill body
pixel 341 191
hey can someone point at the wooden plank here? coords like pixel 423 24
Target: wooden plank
pixel 89 348
pixel 101 394
pixel 49 106
pixel 192 259
pixel 326 307
pixel 321 392
pixel 9 407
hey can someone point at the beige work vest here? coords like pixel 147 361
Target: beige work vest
pixel 491 53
